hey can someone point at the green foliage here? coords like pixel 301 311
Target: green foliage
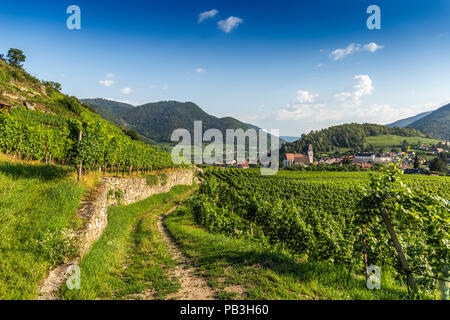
pixel 436 124
pixel 314 215
pixel 152 180
pixel 119 196
pixel 351 136
pixel 420 218
pixel 38 136
pixel 38 205
pixel 439 164
pixel 53 85
pixel 158 120
pixel 163 179
pixel 15 57
pixel 132 134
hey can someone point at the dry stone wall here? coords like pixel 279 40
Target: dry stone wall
pixel 115 191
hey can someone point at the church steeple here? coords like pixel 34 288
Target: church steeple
pixel 310 154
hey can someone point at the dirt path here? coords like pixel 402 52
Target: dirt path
pixel 193 287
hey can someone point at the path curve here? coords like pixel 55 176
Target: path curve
pixel 193 287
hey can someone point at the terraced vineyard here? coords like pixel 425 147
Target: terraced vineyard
pixel 328 216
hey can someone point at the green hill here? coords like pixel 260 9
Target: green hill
pixel 393 141
pixel 350 137
pixel 38 122
pixel 158 120
pixel 436 124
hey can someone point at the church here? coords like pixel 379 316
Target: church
pixel 299 159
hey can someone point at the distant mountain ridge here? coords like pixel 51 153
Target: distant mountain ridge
pixel 436 124
pixel 433 123
pixel 403 123
pixel 157 121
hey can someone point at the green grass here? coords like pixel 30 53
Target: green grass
pixel 392 141
pixel 130 256
pixel 38 208
pixel 241 268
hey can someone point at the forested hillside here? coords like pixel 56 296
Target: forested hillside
pixel 436 124
pixel 158 120
pixel 403 123
pixel 346 136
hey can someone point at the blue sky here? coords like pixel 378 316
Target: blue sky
pixel 289 65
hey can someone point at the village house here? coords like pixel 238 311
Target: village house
pixel 364 157
pixel 299 159
pixel 367 157
pixel 437 150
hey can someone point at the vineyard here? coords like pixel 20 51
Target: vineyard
pixel 86 139
pixel 335 217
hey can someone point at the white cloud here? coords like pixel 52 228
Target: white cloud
pixel 342 53
pixel 229 24
pixel 372 47
pixel 106 83
pixel 126 90
pixel 110 75
pixel 207 15
pixel 353 48
pixel 305 97
pixel 306 106
pixel 200 70
pixel 363 86
pixel 320 65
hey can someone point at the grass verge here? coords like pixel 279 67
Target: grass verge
pixel 130 260
pixel 241 268
pixel 38 213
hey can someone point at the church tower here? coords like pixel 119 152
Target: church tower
pixel 310 154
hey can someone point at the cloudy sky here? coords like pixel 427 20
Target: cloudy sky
pixel 289 65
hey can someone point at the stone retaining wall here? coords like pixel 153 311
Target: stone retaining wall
pixel 115 191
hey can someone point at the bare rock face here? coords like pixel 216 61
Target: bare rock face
pixel 29 105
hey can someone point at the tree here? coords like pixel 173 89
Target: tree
pixel 416 162
pixel 132 134
pixel 439 164
pixel 405 146
pixel 15 57
pixel 2 57
pixel 53 85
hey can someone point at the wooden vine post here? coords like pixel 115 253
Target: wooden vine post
pixel 398 248
pixel 80 166
pixel 366 265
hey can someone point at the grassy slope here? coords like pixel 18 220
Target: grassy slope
pixel 37 204
pixel 130 256
pixel 235 265
pixel 391 141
